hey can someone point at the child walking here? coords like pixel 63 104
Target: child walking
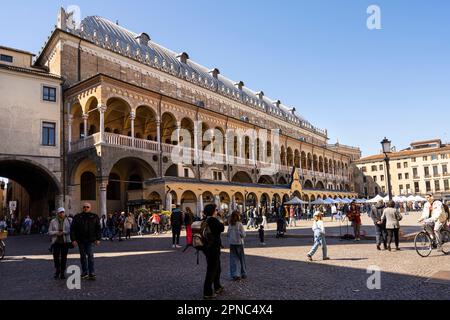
pixel 319 237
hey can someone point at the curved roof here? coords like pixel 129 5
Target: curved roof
pixel 109 35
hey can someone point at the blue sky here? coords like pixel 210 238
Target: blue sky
pixel 317 55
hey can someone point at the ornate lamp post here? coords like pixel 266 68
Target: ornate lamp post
pixel 386 144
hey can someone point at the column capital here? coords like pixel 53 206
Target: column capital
pixel 102 108
pixel 132 115
pixel 85 116
pixel 70 119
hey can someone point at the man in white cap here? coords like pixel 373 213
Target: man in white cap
pixel 59 230
pixel 433 218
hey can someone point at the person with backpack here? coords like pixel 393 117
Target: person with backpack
pixel 213 229
pixel 376 213
pixel 59 230
pixel 236 235
pixel 176 221
pixel 434 217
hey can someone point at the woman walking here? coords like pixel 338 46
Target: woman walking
pixel 59 230
pixel 319 237
pixel 129 223
pixel 392 217
pixel 236 235
pixel 188 220
pixel 354 215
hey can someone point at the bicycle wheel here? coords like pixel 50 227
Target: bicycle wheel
pixel 423 244
pixel 2 250
pixel 445 241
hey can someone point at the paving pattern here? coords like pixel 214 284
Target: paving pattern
pixel 148 268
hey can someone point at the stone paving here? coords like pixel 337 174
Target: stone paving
pixel 148 268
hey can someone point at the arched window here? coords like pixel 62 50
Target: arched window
pixel 113 191
pixel 88 186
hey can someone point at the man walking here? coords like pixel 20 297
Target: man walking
pixel 376 213
pixel 212 252
pixel 86 232
pixel 176 221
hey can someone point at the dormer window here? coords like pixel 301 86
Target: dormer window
pixel 183 57
pixel 143 39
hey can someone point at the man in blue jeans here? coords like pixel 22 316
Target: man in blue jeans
pixel 85 232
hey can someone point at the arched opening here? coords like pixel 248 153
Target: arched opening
pixel 145 123
pixel 315 163
pixel 251 200
pixel 297 158
pixel 189 200
pixel 187 134
pixel 33 186
pixel 283 156
pixel 321 169
pixel 282 181
pixel 172 171
pixel 117 116
pixel 320 185
pixel 309 162
pixel 88 183
pixel 265 180
pixel 113 190
pixel 208 198
pixel 242 177
pixel 285 198
pixel 239 202
pixel 154 201
pixel 225 203
pixel 326 165
pixel 168 126
pixel 303 160
pixel 308 184
pixel 290 157
pixel 264 204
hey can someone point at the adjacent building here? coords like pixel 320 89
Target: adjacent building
pixel 30 125
pixel 422 168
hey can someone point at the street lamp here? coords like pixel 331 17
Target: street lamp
pixel 386 144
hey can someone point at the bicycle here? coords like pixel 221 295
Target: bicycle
pixel 424 244
pixel 3 236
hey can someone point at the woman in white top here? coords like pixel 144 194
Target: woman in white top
pixel 236 235
pixel 319 237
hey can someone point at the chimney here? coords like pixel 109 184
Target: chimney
pixel 214 72
pixel 260 95
pixel 183 57
pixel 239 85
pixel 143 39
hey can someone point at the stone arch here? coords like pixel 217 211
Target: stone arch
pixel 321 167
pixel 308 184
pixel 282 181
pixel 290 157
pixel 283 156
pixel 242 177
pixel 117 116
pixel 303 160
pixel 189 200
pixel 309 162
pixel 265 180
pixel 315 163
pixel 168 126
pixel 320 185
pixel 297 158
pixel 145 123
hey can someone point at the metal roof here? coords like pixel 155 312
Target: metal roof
pixel 108 34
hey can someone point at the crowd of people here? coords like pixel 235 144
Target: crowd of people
pixel 86 230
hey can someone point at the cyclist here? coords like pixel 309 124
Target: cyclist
pixel 434 216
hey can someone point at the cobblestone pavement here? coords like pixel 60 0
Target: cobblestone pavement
pixel 148 268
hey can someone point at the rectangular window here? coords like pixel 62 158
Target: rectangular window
pixel 6 58
pixel 408 188
pixel 363 169
pixel 437 185
pixel 444 156
pixel 434 157
pixel 416 187
pixel 413 159
pixel 435 171
pixel 49 94
pixel 415 173
pixel 383 189
pixel 444 169
pixel 365 179
pixel 48 134
pixel 405 164
pixel 427 172
pixel 425 158
pixel 400 176
pixel 186 173
pixel 446 185
pixel 381 167
pixel 382 178
pixel 406 176
pixel 399 165
pixel 374 178
pixel 217 175
pixel 428 186
pixel 374 168
pixel 400 189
